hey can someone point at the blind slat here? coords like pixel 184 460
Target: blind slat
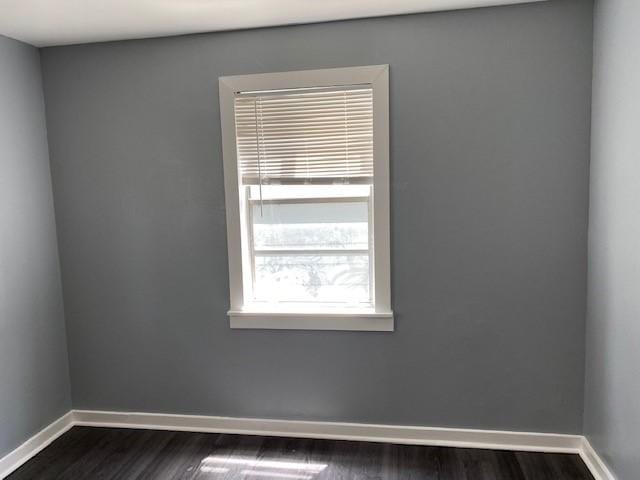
pixel 305 135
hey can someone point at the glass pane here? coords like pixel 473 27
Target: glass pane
pixel 276 191
pixel 304 226
pixel 310 243
pixel 312 278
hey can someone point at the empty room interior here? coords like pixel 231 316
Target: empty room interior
pixel 320 240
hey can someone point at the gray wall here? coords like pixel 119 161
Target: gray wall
pixel 34 375
pixel 612 410
pixel 490 114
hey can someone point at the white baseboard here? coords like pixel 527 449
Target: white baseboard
pixel 594 463
pixel 446 437
pixel 35 444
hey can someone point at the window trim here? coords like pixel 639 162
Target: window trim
pixel 379 318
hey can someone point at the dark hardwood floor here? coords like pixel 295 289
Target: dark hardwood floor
pixel 109 453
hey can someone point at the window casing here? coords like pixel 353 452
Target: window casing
pixel 307 195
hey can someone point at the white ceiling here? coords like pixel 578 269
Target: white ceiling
pixel 59 22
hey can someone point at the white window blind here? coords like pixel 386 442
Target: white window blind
pixel 305 135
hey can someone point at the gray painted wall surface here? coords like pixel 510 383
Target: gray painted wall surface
pixel 34 375
pixel 612 410
pixel 490 115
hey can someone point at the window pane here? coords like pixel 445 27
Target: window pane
pixel 312 278
pixel 310 243
pixel 276 191
pixel 319 226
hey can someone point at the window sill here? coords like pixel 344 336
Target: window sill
pixel 358 320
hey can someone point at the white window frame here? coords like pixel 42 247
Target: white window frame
pixel 377 318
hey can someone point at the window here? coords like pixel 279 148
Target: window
pixel 306 167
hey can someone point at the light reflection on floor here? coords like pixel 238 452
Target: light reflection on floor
pixel 206 469
pixel 259 473
pixel 264 468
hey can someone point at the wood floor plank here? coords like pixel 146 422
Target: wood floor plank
pixel 178 457
pixel 119 446
pixel 411 462
pixel 127 454
pixel 535 466
pixel 480 463
pixel 57 456
pixel 229 456
pixel 508 466
pixel 564 466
